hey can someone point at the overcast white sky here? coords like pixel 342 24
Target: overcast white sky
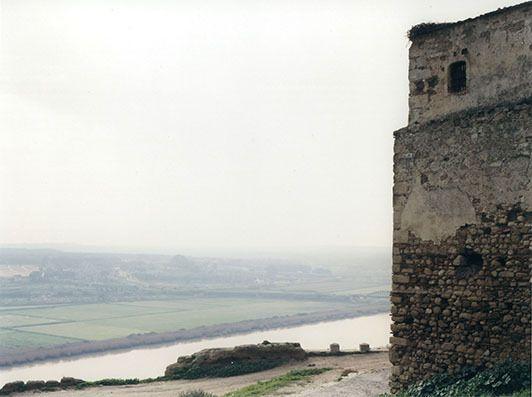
pixel 249 123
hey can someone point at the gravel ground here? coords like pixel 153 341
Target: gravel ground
pixel 369 378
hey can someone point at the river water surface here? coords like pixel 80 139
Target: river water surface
pixel 151 361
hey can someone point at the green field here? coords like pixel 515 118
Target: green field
pixel 49 325
pixel 15 320
pixel 19 339
pixel 339 286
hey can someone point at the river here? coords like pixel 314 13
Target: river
pixel 151 361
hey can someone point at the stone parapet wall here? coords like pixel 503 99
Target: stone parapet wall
pixel 462 242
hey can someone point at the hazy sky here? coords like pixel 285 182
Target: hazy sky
pixel 248 123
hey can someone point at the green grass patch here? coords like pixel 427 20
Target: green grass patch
pixel 269 386
pixel 522 393
pixel 506 379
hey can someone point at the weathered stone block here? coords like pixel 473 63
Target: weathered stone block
pixel 334 348
pixel 400 279
pixel 364 348
pixel 398 341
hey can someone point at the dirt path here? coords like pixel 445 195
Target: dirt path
pixel 370 379
pixel 366 383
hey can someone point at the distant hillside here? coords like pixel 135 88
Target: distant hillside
pixel 38 276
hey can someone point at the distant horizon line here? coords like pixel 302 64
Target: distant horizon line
pixel 93 248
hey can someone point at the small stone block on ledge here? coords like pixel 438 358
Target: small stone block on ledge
pixel 334 348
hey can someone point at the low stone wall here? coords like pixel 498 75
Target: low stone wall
pixel 462 243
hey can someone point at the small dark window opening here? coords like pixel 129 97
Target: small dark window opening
pixel 457 77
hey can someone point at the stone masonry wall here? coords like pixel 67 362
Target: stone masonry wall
pixel 462 242
pixel 497 49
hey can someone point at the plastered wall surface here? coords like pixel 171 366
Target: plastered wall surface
pixel 497 50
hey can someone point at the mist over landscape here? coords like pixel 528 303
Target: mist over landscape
pixel 53 298
pixel 178 176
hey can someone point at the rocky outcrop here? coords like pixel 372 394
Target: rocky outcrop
pixel 223 362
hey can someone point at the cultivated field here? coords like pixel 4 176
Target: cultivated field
pixel 50 325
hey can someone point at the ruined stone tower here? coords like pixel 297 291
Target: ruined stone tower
pixel 462 198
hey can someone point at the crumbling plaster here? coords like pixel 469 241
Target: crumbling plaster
pixel 497 50
pixel 450 171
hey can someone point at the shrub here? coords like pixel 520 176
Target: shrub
pixel 508 378
pixel 108 382
pixel 425 28
pixel 117 382
pixel 195 393
pixel 225 370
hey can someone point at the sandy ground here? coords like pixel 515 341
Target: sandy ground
pixel 369 378
pixel 362 384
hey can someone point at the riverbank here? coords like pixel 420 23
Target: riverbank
pixel 12 358
pixel 150 362
pixel 356 375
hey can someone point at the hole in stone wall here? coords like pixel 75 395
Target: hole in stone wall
pixel 433 81
pixel 485 218
pixel 457 77
pixel 512 214
pixel 468 263
pixel 419 87
pixel 502 260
